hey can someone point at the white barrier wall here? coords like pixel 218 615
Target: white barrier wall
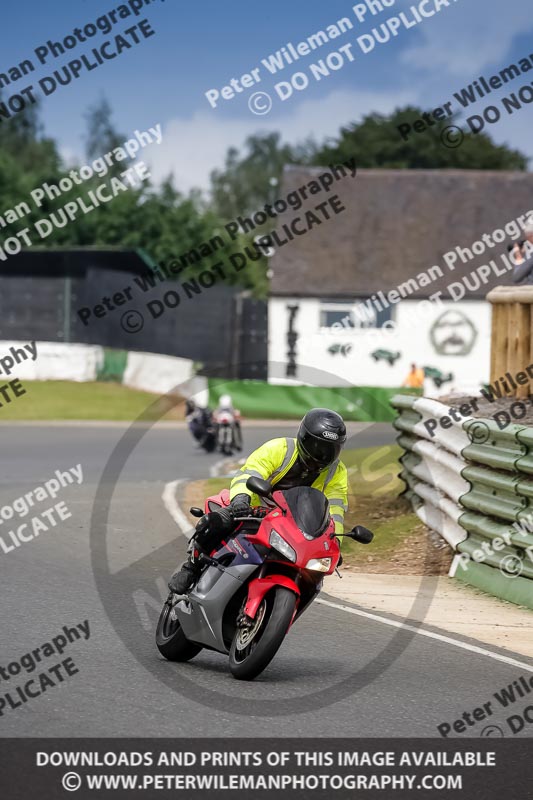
pixel 411 337
pixel 78 362
pixel 155 373
pixel 55 361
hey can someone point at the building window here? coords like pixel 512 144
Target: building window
pixel 359 315
pixel 330 317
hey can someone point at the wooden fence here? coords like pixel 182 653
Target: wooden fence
pixel 512 337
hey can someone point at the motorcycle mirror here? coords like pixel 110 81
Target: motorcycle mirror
pixel 361 535
pixel 259 486
pixel 196 512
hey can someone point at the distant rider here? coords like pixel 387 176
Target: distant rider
pixel 312 459
pixel 225 415
pixel 197 419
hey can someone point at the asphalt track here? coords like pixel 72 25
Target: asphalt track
pixel 123 687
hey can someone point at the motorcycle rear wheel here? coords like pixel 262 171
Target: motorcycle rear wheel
pixel 170 639
pixel 209 442
pixel 249 657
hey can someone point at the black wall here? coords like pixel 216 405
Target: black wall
pixel 219 327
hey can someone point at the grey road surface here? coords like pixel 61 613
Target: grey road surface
pixel 122 687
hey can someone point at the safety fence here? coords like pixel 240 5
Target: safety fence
pixel 260 399
pixel 473 484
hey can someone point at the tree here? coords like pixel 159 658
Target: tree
pixel 27 157
pixel 376 142
pixel 251 178
pixel 102 137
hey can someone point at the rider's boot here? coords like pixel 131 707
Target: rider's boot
pixel 187 575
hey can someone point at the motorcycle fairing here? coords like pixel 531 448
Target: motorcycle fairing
pixel 243 551
pixel 259 587
pixel 201 613
pixel 217 500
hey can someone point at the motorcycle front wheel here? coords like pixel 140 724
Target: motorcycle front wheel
pixel 170 639
pixel 254 647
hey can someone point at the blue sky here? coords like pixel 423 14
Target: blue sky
pixel 202 45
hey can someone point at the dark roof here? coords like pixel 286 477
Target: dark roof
pixel 74 261
pixel 397 224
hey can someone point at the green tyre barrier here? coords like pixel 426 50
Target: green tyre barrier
pixel 515 590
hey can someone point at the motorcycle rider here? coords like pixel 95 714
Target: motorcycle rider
pixel 197 419
pixel 311 459
pixel 226 415
pixel 225 404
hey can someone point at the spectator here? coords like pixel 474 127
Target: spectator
pixel 415 378
pixel 523 271
pixel 516 251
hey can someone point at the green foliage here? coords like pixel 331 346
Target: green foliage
pixel 375 142
pixel 27 158
pixel 162 222
pixel 251 179
pixel 101 134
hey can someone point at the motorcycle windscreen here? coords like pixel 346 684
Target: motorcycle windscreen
pixel 310 509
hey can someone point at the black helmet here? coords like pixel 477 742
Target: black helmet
pixel 321 437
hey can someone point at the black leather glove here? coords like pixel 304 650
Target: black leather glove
pixel 221 521
pixel 240 505
pixel 212 528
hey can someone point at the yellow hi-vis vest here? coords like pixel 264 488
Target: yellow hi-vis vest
pixel 274 459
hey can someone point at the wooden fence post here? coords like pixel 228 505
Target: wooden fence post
pixel 511 335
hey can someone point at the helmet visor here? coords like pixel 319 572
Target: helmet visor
pixel 316 451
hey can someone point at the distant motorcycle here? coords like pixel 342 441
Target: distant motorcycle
pixel 252 590
pixel 202 426
pixel 229 433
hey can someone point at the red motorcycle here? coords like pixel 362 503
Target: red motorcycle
pixel 253 589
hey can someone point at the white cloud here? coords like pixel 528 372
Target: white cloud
pixel 468 37
pixel 69 156
pixel 192 147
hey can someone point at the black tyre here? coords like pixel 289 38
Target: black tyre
pixel 209 444
pixel 237 437
pixel 170 639
pixel 253 650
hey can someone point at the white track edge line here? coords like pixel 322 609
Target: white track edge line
pixel 216 469
pixel 172 506
pixel 430 635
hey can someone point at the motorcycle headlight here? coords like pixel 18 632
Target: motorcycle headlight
pixel 283 547
pixel 319 564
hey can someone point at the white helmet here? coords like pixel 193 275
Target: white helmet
pixel 225 401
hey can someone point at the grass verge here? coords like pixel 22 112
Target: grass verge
pixel 57 400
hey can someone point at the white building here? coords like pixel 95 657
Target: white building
pixel 350 298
